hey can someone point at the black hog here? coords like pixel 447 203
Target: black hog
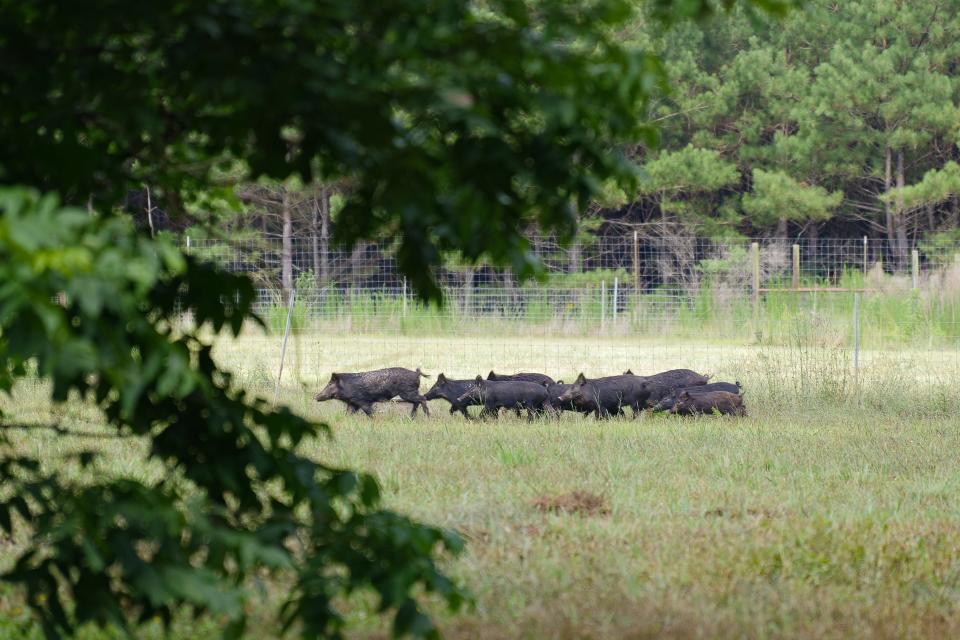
pixel 451 390
pixel 665 404
pixel 724 402
pixel 539 378
pixel 557 389
pixel 663 384
pixel 607 396
pixel 508 394
pixel 360 390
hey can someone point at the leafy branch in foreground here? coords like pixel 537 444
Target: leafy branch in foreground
pixel 236 498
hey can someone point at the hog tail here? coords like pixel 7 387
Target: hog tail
pixel 422 374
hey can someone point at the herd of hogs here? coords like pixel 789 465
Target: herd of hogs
pixel 679 391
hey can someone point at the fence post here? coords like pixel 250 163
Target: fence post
pixel 856 338
pixel 796 266
pixel 603 304
pixel 915 268
pixel 755 282
pixel 404 297
pixel 613 307
pixel 188 242
pixel 283 349
pixel 866 251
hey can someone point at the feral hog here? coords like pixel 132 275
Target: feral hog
pixel 607 396
pixel 557 389
pixel 360 390
pixel 508 394
pixel 723 402
pixel 451 390
pixel 539 378
pixel 663 384
pixel 665 404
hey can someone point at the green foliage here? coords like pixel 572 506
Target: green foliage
pixel 689 169
pixel 776 195
pixel 456 126
pixel 236 501
pixel 936 186
pixel 941 247
pixel 686 184
pixel 823 96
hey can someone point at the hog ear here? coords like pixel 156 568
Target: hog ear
pixel 441 378
pixel 684 395
pixel 559 381
pixel 334 377
pixel 581 378
pixel 490 376
pixel 628 372
pixel 480 379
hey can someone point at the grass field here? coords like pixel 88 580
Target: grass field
pixel 829 512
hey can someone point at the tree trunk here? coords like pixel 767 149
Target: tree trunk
pixel 150 213
pixel 900 219
pixel 887 207
pixel 325 236
pixel 315 243
pixel 782 229
pixel 813 233
pixel 955 212
pixel 573 264
pixel 931 220
pixel 356 263
pixel 286 257
pixel 320 234
pixel 510 294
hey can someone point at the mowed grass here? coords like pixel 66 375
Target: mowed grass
pixel 830 511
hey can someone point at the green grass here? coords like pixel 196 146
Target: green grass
pixel 830 512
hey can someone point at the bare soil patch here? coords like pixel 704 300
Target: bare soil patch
pixel 578 502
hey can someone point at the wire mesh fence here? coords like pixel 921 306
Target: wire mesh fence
pixel 620 285
pixel 826 318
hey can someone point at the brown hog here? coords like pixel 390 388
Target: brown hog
pixel 724 402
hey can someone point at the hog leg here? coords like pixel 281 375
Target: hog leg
pixel 416 400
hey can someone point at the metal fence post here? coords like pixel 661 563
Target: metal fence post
pixel 796 266
pixel 613 307
pixel 915 268
pixel 866 251
pixel 755 282
pixel 856 337
pixel 283 349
